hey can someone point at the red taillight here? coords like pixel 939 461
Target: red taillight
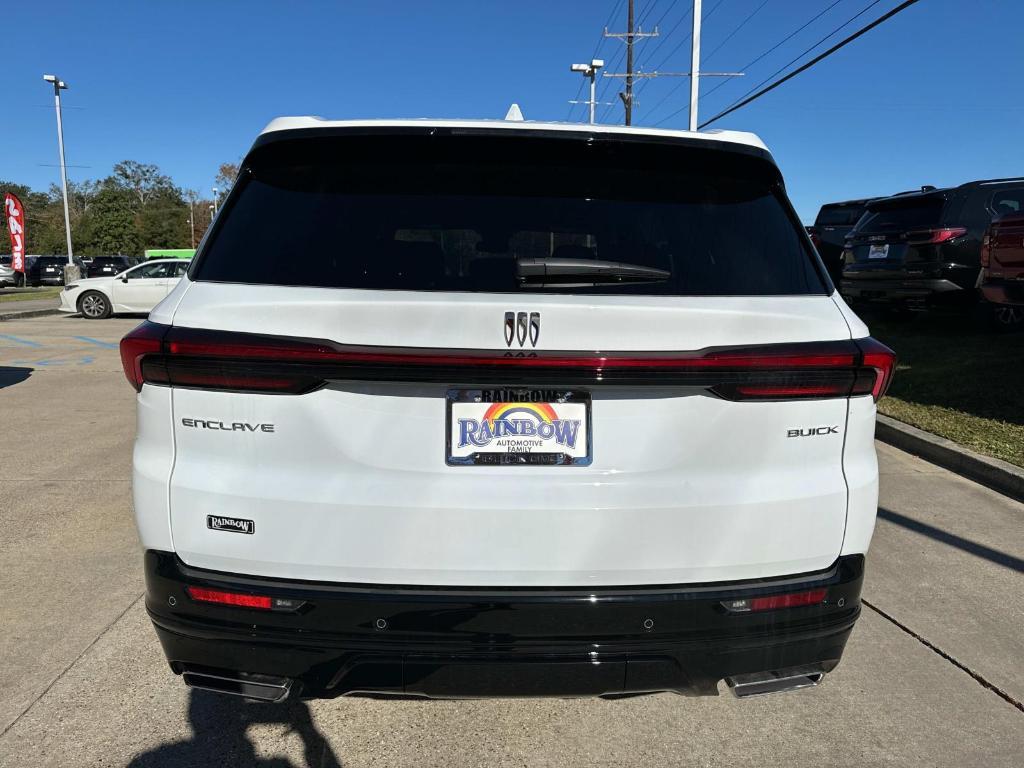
pixel 230 361
pixel 882 360
pixel 986 250
pixel 815 236
pixel 143 340
pixel 932 236
pixel 774 602
pixel 203 595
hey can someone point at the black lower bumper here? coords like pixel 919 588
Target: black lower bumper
pixel 1010 292
pixel 457 642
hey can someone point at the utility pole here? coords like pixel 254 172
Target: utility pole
pixel 58 86
pixel 695 65
pixel 629 35
pixel 694 74
pixel 589 71
pixel 215 195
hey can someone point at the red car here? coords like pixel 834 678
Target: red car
pixel 1002 270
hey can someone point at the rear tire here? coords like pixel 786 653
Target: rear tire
pixel 1005 318
pixel 93 305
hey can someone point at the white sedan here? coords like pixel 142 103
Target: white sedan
pixel 138 289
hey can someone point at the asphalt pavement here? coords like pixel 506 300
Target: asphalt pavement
pixel 932 675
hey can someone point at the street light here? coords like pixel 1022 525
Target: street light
pixel 590 71
pixel 215 201
pixel 58 86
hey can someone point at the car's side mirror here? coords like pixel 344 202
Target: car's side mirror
pixel 124 279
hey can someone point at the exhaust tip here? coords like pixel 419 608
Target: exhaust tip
pixel 245 684
pixel 776 681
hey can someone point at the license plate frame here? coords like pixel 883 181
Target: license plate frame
pixel 878 251
pixel 565 404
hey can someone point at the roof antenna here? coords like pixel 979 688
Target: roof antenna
pixel 515 114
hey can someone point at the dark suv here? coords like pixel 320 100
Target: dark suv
pixel 49 270
pixel 919 249
pixel 108 266
pixel 832 225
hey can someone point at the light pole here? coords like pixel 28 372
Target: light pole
pixel 58 86
pixel 192 217
pixel 590 71
pixel 215 193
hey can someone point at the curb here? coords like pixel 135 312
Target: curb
pixel 28 313
pixel 998 475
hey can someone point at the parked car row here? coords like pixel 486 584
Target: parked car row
pixel 137 289
pixel 929 247
pixel 49 270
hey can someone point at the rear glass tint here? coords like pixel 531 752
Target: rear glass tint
pixel 461 213
pixel 839 215
pixel 903 215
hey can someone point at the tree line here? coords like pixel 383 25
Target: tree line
pixel 135 208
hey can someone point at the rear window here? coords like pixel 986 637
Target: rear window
pixel 466 213
pixel 839 215
pixel 903 215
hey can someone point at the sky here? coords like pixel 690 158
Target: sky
pixel 933 96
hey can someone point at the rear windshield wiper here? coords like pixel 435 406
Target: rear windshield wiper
pixel 582 272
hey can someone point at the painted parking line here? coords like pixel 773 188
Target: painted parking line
pixel 52 361
pixel 23 342
pixel 97 342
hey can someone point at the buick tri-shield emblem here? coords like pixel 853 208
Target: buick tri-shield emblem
pixel 522 326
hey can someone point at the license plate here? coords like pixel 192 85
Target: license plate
pixel 509 426
pixel 878 251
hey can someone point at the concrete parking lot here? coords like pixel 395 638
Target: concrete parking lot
pixel 933 675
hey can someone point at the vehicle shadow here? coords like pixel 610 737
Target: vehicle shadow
pixel 996 556
pixel 220 737
pixel 11 375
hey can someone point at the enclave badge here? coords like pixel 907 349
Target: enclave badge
pixel 232 524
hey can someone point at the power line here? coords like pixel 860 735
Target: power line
pixel 738 27
pixel 797 58
pixel 597 49
pixel 668 34
pixel 789 63
pixel 643 18
pixel 682 42
pixel 781 42
pixel 863 30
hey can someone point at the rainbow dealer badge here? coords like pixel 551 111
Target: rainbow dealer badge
pixel 518 426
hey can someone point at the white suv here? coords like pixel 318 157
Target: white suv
pixel 492 409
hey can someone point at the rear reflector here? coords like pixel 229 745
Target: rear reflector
pixel 773 602
pixel 203 595
pixel 230 361
pixel 242 600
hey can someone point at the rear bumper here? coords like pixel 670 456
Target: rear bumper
pixel 896 289
pixel 996 291
pixel 456 642
pixel 934 283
